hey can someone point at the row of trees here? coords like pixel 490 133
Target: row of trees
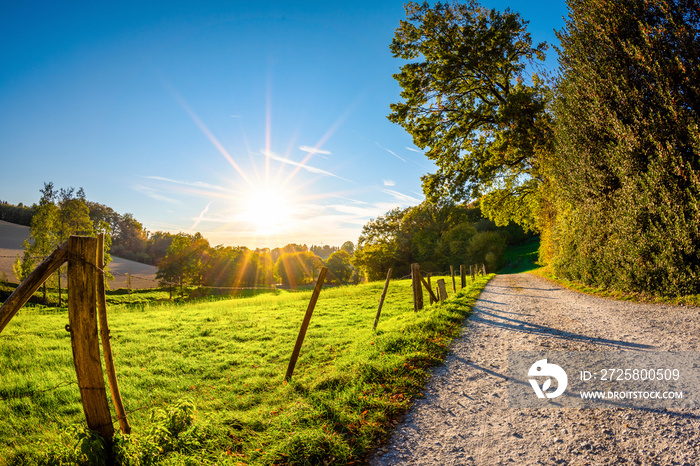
pixel 182 259
pixel 191 260
pixel 602 160
pixel 130 240
pixel 435 235
pixel 19 214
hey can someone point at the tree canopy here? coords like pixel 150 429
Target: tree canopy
pixel 469 104
pixel 628 146
pixel 436 236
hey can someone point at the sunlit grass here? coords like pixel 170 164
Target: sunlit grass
pixel 228 358
pixel 521 258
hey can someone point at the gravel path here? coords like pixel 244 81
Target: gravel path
pixel 464 417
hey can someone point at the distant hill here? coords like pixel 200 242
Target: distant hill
pixel 12 236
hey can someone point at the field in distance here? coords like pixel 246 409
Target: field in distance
pixel 12 236
pixel 203 382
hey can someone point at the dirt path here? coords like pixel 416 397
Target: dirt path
pixel 465 418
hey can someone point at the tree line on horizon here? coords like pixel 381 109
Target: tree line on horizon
pixel 601 159
pixel 437 236
pixel 182 258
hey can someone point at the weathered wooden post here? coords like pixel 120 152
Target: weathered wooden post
pixel 430 289
pixel 452 274
pixel 483 269
pixel 441 289
pixel 417 287
pixel 463 274
pixel 82 319
pixel 305 323
pixel 381 300
pixel 433 298
pixel 105 337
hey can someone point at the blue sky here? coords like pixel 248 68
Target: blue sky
pixel 256 123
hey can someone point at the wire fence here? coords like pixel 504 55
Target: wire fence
pixel 159 402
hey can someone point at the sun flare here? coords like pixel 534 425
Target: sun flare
pixel 267 210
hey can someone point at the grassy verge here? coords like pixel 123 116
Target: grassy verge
pixel 204 382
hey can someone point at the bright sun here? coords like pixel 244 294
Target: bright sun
pixel 267 210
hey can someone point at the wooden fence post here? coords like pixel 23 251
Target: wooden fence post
pixel 417 287
pixel 463 274
pixel 381 300
pixel 441 289
pixel 430 289
pixel 452 274
pixel 82 319
pixel 305 323
pixel 433 298
pixel 483 269
pixel 105 337
pixel 472 270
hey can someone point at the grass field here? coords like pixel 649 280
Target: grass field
pixel 521 258
pixel 203 382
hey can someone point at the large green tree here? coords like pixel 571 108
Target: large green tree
pixel 185 262
pixel 44 235
pixel 297 268
pixel 435 235
pixel 628 145
pixel 59 214
pixel 339 267
pixel 468 102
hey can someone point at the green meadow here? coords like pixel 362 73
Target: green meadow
pixel 202 383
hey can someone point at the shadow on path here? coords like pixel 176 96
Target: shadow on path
pixel 481 315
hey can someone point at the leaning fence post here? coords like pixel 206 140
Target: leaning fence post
pixel 430 289
pixel 82 319
pixel 463 274
pixel 381 300
pixel 441 289
pixel 305 323
pixel 452 274
pixel 433 298
pixel 417 287
pixel 105 337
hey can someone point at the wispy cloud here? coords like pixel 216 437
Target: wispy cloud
pixel 315 151
pixel 303 166
pixel 391 152
pixel 199 219
pixel 403 198
pixel 413 150
pixel 389 183
pixel 192 184
pixel 155 194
